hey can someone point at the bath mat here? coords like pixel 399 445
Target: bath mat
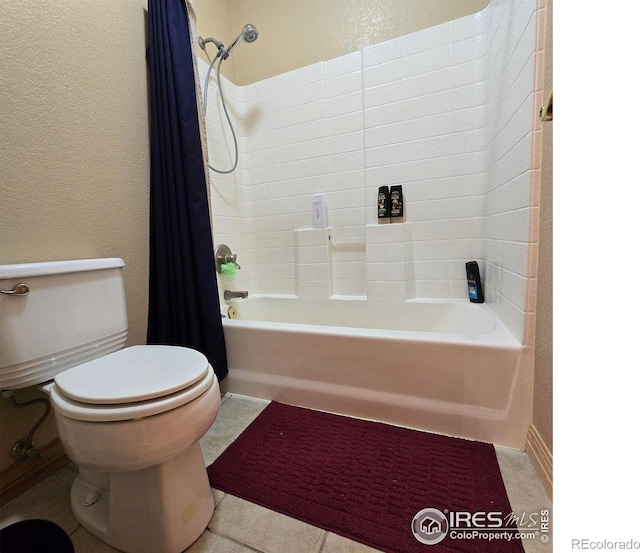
pixel 368 481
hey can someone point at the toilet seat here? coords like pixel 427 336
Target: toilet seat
pixel 132 374
pixel 136 382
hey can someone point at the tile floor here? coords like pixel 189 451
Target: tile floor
pixel 239 526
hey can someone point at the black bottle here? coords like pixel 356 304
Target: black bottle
pixel 473 279
pixel 384 204
pixel 396 201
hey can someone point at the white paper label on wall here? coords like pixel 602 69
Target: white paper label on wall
pixel 319 211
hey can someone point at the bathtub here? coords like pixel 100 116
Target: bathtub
pixel 449 367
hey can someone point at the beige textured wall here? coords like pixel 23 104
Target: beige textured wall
pixel 543 384
pixel 296 33
pixel 74 155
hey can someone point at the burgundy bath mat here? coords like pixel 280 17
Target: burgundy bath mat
pixel 394 489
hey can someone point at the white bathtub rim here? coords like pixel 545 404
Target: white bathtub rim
pixel 500 336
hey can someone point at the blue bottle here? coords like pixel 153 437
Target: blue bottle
pixel 476 294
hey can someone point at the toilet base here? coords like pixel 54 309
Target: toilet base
pixel 161 508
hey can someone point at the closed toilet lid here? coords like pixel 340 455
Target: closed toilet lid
pixel 132 411
pixel 133 374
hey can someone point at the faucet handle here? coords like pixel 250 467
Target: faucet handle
pixel 223 255
pixel 231 258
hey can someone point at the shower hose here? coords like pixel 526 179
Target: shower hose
pixel 224 106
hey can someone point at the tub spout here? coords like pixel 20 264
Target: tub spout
pixel 232 294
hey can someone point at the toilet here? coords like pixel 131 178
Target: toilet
pixel 130 417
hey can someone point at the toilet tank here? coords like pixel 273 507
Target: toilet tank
pixel 74 312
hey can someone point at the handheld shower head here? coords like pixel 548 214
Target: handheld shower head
pixel 249 34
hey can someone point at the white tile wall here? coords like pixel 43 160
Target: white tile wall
pixel 447 112
pixel 508 154
pixel 390 261
pixel 314 263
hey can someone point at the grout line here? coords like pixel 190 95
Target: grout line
pixel 238 542
pixel 221 499
pixel 324 540
pixel 75 529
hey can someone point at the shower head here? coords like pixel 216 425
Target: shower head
pixel 249 34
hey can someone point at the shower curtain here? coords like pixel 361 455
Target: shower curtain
pixel 184 307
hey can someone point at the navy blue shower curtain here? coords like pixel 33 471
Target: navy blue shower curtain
pixel 184 307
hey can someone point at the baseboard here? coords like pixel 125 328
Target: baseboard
pixel 22 475
pixel 541 458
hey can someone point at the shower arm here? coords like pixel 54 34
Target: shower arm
pixel 202 42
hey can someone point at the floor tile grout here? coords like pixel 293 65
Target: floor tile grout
pixel 323 542
pixel 236 541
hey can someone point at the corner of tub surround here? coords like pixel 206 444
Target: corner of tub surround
pixel 515 421
pixel 514 319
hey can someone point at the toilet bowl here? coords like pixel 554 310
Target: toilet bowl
pixel 130 418
pixel 131 421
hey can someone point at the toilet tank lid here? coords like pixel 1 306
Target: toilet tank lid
pixel 20 270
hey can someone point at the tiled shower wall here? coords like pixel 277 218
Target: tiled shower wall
pixel 447 112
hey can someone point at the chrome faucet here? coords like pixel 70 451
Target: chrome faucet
pixel 232 294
